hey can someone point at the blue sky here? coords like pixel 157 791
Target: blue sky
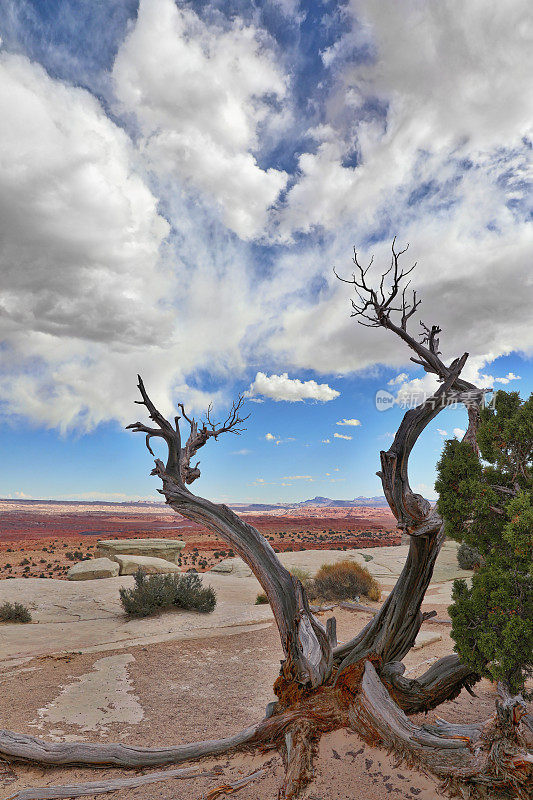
pixel 177 181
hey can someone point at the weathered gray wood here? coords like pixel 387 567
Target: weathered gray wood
pixel 392 632
pixel 21 747
pixel 103 787
pixel 298 752
pixel 376 715
pixel 479 755
pixel 442 681
pixel 234 786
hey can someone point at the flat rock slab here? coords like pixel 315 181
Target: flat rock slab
pixel 92 569
pixel 94 700
pixel 168 549
pixel 130 564
pixel 426 637
pixel 87 616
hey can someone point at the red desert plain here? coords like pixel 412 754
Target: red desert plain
pixel 44 538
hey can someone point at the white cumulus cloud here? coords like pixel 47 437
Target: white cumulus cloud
pixel 293 390
pixel 508 378
pixel 401 378
pixel 341 436
pixel 351 422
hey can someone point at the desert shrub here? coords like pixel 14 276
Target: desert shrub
pixel 156 593
pixel 344 581
pixel 261 600
pixel 469 557
pixel 14 612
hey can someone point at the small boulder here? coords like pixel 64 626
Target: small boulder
pixel 424 638
pixel 236 566
pixel 130 564
pixel 93 568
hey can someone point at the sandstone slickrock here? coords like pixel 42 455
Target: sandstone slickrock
pixel 130 564
pixel 92 569
pixel 168 549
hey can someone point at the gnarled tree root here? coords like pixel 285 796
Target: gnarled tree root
pixel 103 787
pixel 442 681
pixel 298 752
pixel 468 758
pixel 20 747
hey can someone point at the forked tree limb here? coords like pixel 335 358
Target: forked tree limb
pixel 392 632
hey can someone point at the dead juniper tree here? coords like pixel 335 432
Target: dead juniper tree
pixel 361 684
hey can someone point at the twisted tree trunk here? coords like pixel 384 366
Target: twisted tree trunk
pixel 359 685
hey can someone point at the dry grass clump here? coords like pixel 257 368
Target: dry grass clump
pixel 261 599
pixel 14 612
pixel 344 581
pixel 303 576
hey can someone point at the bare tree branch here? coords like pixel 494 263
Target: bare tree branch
pixel 179 458
pixel 306 643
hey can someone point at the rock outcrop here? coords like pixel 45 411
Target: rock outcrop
pixel 92 569
pixel 167 549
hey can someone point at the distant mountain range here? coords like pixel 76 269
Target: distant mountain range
pixel 373 502
pixel 357 502
pixel 322 502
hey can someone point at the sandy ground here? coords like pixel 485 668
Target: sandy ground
pixel 181 691
pixel 200 684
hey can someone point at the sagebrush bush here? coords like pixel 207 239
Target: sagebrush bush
pixel 469 557
pixel 14 612
pixel 261 600
pixel 156 593
pixel 344 581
